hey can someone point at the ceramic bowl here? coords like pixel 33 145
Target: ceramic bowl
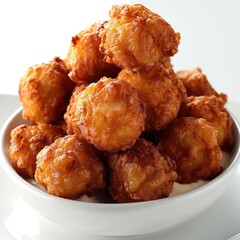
pixel 109 219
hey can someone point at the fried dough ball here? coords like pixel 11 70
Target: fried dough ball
pixel 192 144
pixel 26 142
pixel 161 92
pixel 84 60
pixel 44 92
pixel 136 38
pixel 197 84
pixel 71 120
pixel 70 168
pixel 110 115
pixel 140 174
pixel 212 109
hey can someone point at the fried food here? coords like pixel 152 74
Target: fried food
pixel 26 142
pixel 140 174
pixel 70 168
pixel 160 91
pixel 212 109
pixel 123 108
pixel 192 144
pixel 84 60
pixel 110 115
pixel 44 92
pixel 136 38
pixel 72 120
pixel 197 84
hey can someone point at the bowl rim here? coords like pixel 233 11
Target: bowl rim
pixel 26 186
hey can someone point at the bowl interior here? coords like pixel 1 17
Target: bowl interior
pixel 16 119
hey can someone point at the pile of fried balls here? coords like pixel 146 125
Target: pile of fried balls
pixel 114 116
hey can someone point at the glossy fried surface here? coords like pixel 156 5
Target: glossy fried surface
pixel 160 91
pixel 110 115
pixel 26 142
pixel 69 168
pixel 71 117
pixel 197 84
pixel 192 144
pixel 114 115
pixel 84 60
pixel 212 109
pixel 44 92
pixel 140 174
pixel 136 38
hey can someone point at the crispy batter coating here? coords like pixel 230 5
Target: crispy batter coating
pixel 161 92
pixel 73 126
pixel 110 115
pixel 192 143
pixel 84 60
pixel 197 84
pixel 117 96
pixel 27 141
pixel 136 38
pixel 212 109
pixel 140 174
pixel 44 92
pixel 69 168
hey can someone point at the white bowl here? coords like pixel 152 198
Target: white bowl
pixel 117 219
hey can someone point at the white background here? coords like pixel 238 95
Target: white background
pixel 35 31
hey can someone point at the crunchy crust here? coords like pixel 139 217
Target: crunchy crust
pixel 136 38
pixel 27 141
pixel 197 84
pixel 140 174
pixel 161 92
pixel 212 109
pixel 44 92
pixel 70 168
pixel 111 115
pixel 70 116
pixel 192 144
pixel 84 60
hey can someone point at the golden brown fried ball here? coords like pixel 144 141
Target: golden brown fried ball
pixel 110 115
pixel 44 92
pixel 136 38
pixel 192 144
pixel 26 142
pixel 72 121
pixel 140 174
pixel 84 60
pixel 212 109
pixel 161 92
pixel 197 84
pixel 70 168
